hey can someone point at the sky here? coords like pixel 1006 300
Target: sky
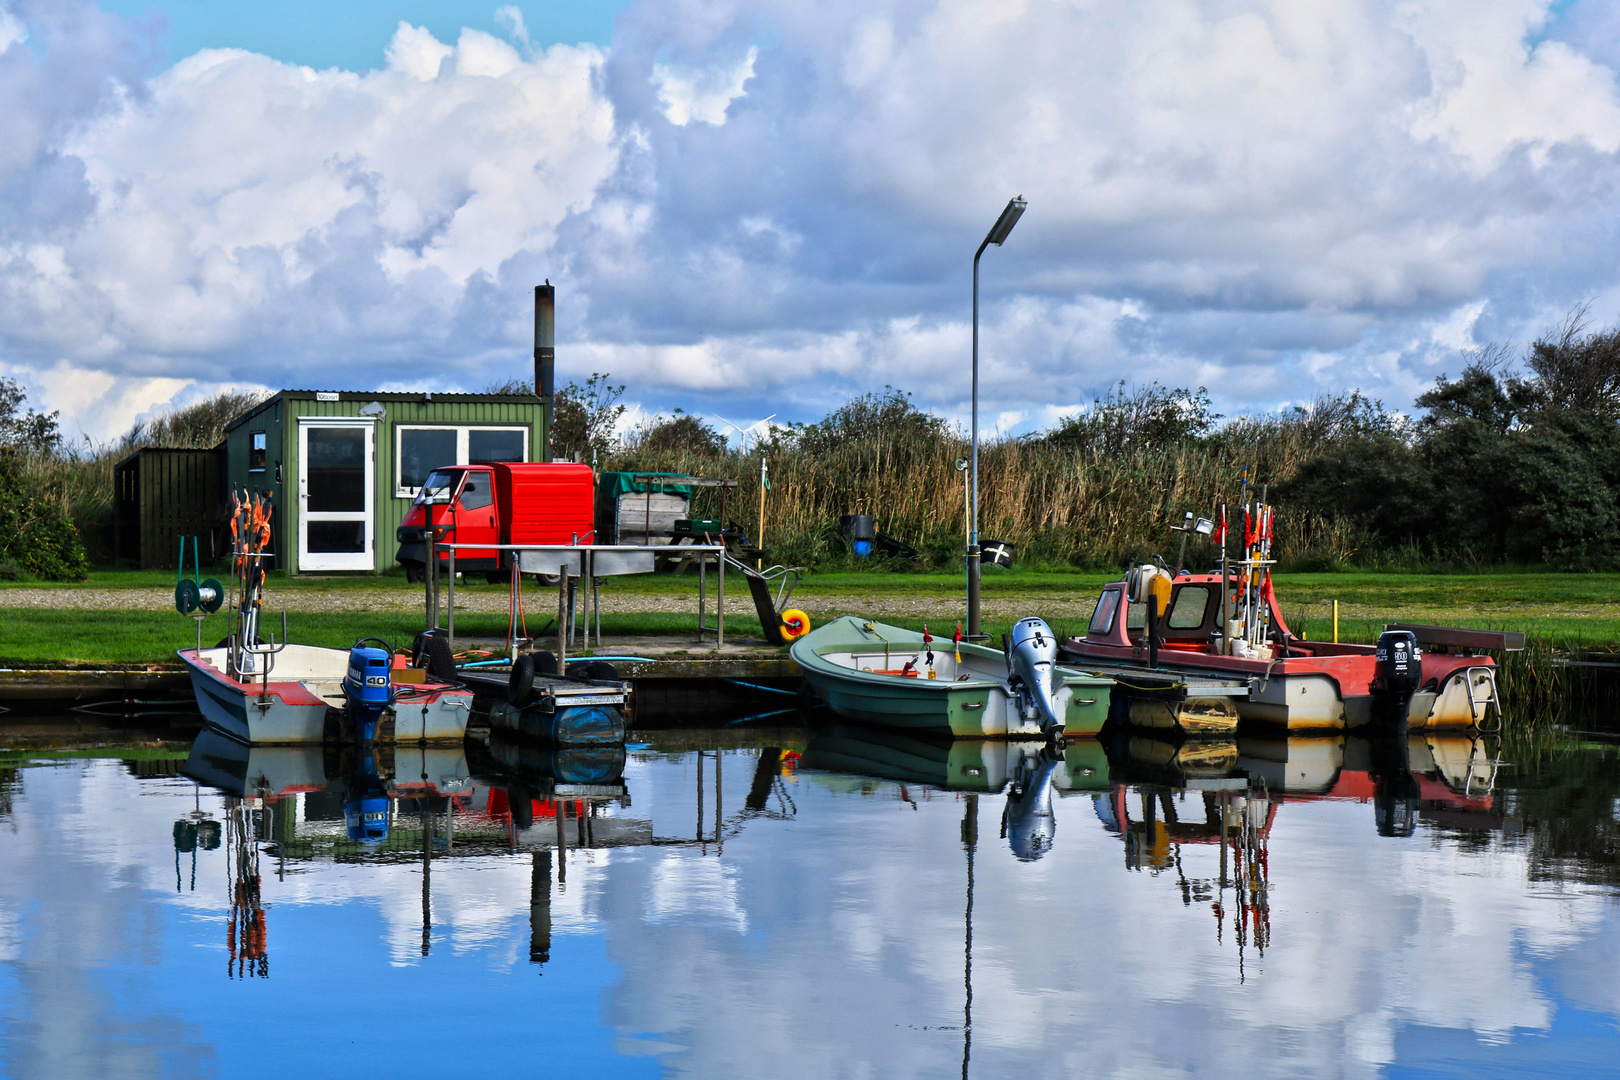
pixel 755 207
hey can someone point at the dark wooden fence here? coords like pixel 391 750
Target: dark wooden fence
pixel 161 495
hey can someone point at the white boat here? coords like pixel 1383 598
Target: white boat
pixel 291 703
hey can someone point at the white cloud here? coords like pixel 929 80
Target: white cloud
pixel 1271 199
pixel 702 94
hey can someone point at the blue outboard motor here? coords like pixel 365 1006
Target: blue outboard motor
pixel 368 692
pixel 365 804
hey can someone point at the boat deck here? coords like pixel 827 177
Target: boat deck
pixel 1161 683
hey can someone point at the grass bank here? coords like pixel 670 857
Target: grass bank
pixel 1559 612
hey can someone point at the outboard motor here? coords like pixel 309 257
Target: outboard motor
pixel 1397 673
pixel 365 804
pixel 368 691
pixel 1028 822
pixel 1396 795
pixel 1031 662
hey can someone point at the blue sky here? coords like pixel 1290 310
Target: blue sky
pixel 353 33
pixel 760 206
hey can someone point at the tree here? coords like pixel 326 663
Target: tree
pixel 27 431
pixel 681 433
pixel 1576 370
pixel 1149 416
pixel 584 416
pixel 889 415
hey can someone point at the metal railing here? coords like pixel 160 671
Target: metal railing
pixel 588 562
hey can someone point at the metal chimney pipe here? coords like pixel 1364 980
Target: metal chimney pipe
pixel 545 353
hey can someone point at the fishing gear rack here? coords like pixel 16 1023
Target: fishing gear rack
pixel 248 656
pixel 1246 624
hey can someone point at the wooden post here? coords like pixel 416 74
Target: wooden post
pixel 562 617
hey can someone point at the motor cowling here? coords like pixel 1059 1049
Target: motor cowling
pixel 365 804
pixel 368 691
pixel 1031 666
pixel 1398 663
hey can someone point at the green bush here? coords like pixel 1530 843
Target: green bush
pixel 35 532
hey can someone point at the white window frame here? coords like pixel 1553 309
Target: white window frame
pixel 461 430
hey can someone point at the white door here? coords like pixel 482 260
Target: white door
pixel 336 482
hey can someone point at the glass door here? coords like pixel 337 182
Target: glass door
pixel 335 495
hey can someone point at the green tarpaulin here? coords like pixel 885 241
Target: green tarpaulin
pixel 614 484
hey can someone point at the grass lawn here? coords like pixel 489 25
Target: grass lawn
pixel 1564 608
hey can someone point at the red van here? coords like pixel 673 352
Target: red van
pixel 539 504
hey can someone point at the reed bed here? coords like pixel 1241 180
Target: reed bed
pixel 1063 506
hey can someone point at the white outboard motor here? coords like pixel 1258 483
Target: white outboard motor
pixel 1031 663
pixel 1027 821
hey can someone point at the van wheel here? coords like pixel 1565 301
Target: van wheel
pixel 498 577
pixel 415 574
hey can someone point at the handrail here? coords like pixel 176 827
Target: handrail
pixel 587 550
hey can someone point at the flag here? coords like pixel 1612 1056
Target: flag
pixel 957 642
pixel 928 644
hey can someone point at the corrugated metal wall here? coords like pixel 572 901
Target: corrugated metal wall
pixel 399 409
pixel 169 494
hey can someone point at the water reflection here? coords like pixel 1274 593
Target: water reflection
pixel 711 897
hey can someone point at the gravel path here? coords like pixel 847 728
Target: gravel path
pixel 819 605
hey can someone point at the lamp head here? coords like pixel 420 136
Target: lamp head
pixel 1004 224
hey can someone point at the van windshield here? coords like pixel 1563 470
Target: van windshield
pixel 438 487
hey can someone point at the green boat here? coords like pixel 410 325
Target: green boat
pixel 880 674
pixel 967 765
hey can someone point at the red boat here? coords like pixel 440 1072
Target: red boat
pixel 1226 624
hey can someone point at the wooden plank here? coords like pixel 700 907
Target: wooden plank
pixel 1457 637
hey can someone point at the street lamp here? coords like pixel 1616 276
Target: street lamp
pixel 997 235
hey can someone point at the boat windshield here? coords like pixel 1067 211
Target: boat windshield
pixel 438 487
pixel 1102 620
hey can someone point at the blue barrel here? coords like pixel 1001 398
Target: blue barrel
pixel 574 725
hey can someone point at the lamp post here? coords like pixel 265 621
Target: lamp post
pixel 997 235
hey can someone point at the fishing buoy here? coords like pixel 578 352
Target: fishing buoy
pixel 795 624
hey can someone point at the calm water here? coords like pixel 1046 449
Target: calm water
pixel 782 904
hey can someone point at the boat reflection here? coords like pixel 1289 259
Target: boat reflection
pixel 1447 780
pixel 295 803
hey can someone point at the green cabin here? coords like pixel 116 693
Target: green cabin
pixel 343 467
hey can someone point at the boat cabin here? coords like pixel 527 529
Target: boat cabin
pixel 1191 620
